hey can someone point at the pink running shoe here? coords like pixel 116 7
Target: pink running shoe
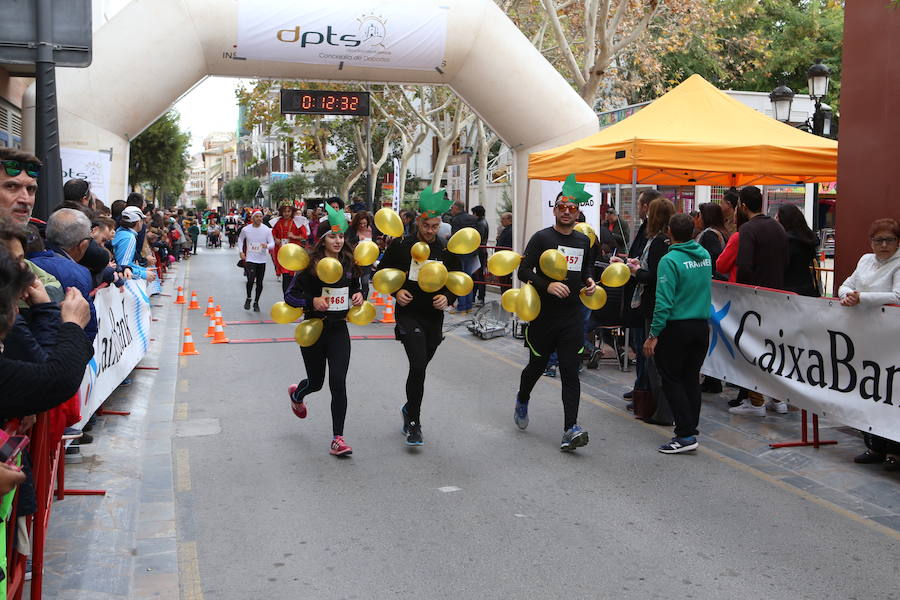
pixel 299 408
pixel 339 447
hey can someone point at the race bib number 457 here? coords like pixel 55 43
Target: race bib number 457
pixel 574 257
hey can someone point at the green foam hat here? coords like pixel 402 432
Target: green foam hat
pixel 433 204
pixel 574 191
pixel 336 219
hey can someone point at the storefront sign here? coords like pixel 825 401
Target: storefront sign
pixel 839 362
pixel 384 34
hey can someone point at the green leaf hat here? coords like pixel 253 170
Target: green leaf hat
pixel 574 191
pixel 336 219
pixel 433 204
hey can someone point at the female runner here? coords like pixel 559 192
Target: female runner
pixel 329 303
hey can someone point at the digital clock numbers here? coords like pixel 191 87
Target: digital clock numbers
pixel 324 102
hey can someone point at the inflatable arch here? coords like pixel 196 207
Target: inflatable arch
pixel 154 51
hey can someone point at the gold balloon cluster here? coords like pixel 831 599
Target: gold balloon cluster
pixel 553 264
pixel 504 262
pixel 308 332
pixel 293 257
pixel 284 313
pixel 420 251
pixel 588 231
pixel 464 241
pixel 388 281
pixel 524 302
pixel 366 253
pixel 459 283
pixel 595 301
pixel 329 270
pixel 388 222
pixel 432 276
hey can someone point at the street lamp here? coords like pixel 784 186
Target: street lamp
pixel 818 77
pixel 782 97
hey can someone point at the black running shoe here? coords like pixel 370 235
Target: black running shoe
pixel 256 307
pixel 405 419
pixel 414 434
pixel 247 304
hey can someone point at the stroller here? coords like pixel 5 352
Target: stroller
pixel 213 237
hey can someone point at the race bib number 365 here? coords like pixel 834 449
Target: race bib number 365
pixel 574 257
pixel 337 298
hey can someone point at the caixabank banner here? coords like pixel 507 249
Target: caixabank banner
pixel 123 338
pixel 839 362
pixel 367 33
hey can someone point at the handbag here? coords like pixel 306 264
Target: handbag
pixel 241 264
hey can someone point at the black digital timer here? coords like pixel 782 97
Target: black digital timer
pixel 324 102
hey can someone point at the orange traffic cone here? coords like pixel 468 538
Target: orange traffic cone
pixel 180 298
pixel 194 305
pixel 388 312
pixel 210 308
pixel 218 316
pixel 378 298
pixel 211 329
pixel 188 349
pixel 220 335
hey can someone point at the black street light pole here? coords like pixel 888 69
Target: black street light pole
pixel 49 191
pixel 818 77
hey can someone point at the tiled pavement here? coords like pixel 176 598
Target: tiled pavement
pixel 124 545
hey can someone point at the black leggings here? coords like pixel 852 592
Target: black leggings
pixel 255 272
pixel 421 337
pixel 566 337
pixel 332 347
pixel 679 355
pixel 286 279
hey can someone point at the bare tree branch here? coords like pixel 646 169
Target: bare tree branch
pixel 553 15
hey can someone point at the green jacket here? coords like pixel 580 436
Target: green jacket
pixel 683 285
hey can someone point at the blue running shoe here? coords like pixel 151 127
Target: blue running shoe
pixel 521 414
pixel 414 435
pixel 550 371
pixel 575 437
pixel 678 445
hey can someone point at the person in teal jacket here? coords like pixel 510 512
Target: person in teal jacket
pixel 679 334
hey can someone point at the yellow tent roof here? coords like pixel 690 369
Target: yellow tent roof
pixel 693 135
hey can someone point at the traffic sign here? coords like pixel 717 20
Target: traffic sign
pixel 259 194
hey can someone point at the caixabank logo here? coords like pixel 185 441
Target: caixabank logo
pixel 835 360
pixel 371 32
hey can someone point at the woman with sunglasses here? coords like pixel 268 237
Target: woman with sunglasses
pixel 329 302
pixel 875 282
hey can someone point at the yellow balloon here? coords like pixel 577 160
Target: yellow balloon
pixel 596 301
pixel 282 312
pixel 553 264
pixel 588 231
pixel 528 303
pixel 432 277
pixel 388 281
pixel 504 262
pixel 329 270
pixel 362 314
pixel 508 300
pixel 366 253
pixel 293 257
pixel 307 333
pixel 388 222
pixel 615 275
pixel 459 283
pixel 420 251
pixel 464 241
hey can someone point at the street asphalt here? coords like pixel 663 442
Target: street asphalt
pixel 483 510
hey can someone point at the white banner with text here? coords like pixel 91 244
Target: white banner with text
pixel 839 362
pixel 93 167
pixel 123 317
pixel 387 34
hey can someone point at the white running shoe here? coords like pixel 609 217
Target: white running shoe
pixel 776 405
pixel 747 408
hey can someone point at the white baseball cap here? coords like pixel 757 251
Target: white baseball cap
pixel 132 214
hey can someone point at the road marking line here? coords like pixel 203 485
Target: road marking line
pixel 189 571
pixel 181 411
pixel 182 470
pixel 449 488
pixel 712 453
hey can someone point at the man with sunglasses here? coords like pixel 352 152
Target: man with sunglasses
pixel 18 184
pixel 560 324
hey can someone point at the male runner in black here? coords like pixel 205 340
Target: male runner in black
pixel 560 324
pixel 420 314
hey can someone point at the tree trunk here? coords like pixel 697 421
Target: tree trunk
pixel 352 178
pixel 441 163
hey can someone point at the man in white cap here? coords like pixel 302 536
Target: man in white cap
pixel 255 242
pixel 125 243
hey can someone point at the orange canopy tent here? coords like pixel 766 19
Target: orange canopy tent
pixel 693 135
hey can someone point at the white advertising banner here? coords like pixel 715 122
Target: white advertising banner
pixel 388 34
pixel 838 362
pixel 591 209
pixel 91 166
pixel 398 187
pixel 123 317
